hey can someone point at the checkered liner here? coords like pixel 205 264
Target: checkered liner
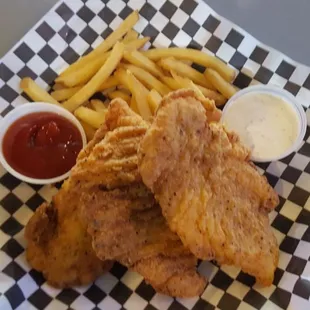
pixel 70 29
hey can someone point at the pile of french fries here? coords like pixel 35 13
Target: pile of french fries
pixel 119 69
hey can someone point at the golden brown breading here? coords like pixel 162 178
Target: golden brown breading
pixel 58 244
pixel 111 158
pixel 210 194
pixel 122 215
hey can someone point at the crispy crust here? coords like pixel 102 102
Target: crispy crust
pixel 59 246
pixel 209 192
pixel 122 216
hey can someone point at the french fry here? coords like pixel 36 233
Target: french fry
pixel 124 89
pixel 98 105
pixel 84 74
pixel 87 104
pixel 65 93
pixel 213 95
pixel 130 36
pixel 171 82
pixel 108 90
pixel 89 130
pixel 119 94
pixel 184 70
pixel 35 92
pixel 138 59
pixel 133 105
pixel 202 91
pixel 108 43
pixel 207 103
pixel 123 77
pixel 194 87
pixel 154 100
pixel 225 88
pixel 148 79
pixel 112 81
pixel 58 86
pixel 187 62
pixel 137 44
pixel 94 84
pixel 90 117
pixel 208 93
pixel 140 92
pixel 184 82
pixel 187 83
pixel 196 56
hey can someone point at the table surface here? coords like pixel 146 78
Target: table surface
pixel 282 24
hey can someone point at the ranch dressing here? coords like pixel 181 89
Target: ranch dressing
pixel 267 124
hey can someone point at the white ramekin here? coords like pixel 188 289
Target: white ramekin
pixel 26 109
pixel 287 97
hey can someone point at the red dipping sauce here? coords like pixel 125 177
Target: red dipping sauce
pixel 42 145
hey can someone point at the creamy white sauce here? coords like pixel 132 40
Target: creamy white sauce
pixel 267 124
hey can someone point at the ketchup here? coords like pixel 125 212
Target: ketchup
pixel 42 145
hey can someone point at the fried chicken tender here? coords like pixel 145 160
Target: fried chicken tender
pixel 59 245
pixel 209 192
pixel 121 214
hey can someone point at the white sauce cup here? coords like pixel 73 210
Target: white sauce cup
pixel 288 98
pixel 29 108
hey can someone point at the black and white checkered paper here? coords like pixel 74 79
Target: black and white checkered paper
pixel 68 31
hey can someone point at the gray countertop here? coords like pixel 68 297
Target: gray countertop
pixel 282 24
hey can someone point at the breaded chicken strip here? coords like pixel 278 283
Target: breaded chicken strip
pixel 59 245
pixel 209 192
pixel 122 215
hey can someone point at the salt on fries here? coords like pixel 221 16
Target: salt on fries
pixel 118 69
